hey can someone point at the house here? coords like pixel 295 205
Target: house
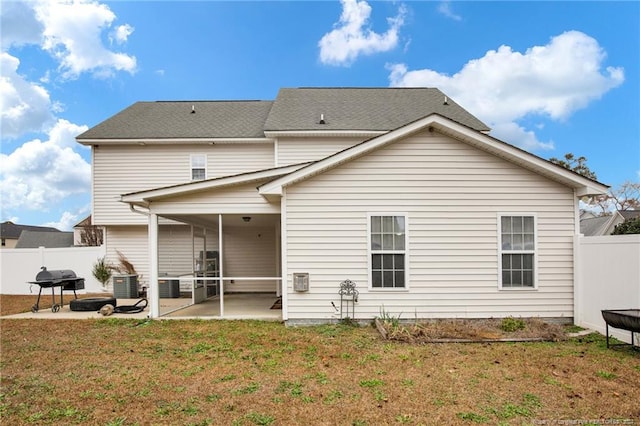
pixel 10 232
pixel 399 190
pixel 87 234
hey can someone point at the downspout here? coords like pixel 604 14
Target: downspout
pixel 133 209
pixel 153 294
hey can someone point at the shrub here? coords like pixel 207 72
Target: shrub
pixel 102 271
pixel 629 226
pixel 511 324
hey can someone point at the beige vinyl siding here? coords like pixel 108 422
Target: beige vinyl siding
pixel 131 241
pixel 123 169
pixel 301 150
pixel 235 199
pixel 250 252
pixel 452 194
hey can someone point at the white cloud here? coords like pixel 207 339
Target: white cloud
pixel 24 106
pixel 505 86
pixel 445 8
pixel 122 33
pixel 68 219
pixel 40 174
pixel 72 34
pixel 352 35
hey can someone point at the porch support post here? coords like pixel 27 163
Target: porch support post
pixel 220 266
pixel 153 291
pixel 283 255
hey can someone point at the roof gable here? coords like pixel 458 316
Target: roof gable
pixel 142 198
pixel 581 185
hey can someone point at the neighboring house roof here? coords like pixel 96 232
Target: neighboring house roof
pixel 629 214
pixel 35 239
pixel 175 120
pixel 591 226
pixel 594 226
pixel 380 109
pixel 581 185
pixel 600 225
pixel 343 109
pixel 11 230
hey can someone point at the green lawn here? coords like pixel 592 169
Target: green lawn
pixel 133 372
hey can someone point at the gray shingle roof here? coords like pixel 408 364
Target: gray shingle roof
pixel 164 119
pixel 34 239
pixel 593 225
pixel 630 214
pixel 362 109
pixel 380 109
pixel 13 230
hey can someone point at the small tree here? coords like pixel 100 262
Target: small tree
pixel 124 266
pixel 629 226
pixel 91 235
pixel 623 198
pixel 578 165
pixel 102 271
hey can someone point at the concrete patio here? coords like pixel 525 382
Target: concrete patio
pixel 255 306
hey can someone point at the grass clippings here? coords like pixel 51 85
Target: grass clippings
pixel 470 330
pixel 112 371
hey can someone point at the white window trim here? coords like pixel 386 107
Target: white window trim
pixel 206 172
pixel 405 252
pixel 535 252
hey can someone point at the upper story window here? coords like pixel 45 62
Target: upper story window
pixel 198 166
pixel 388 251
pixel 517 252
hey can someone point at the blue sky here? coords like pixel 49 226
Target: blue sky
pixel 549 77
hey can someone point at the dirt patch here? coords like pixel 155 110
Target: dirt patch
pixel 467 330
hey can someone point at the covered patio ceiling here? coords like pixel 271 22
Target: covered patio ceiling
pixel 211 220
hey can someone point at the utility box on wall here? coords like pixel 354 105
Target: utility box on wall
pixel 301 281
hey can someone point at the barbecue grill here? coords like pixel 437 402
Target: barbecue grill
pixel 66 279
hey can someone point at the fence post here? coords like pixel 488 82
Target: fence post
pixel 578 305
pixel 42 257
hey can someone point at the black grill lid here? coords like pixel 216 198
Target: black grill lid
pixel 55 275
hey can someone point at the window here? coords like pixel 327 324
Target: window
pixel 517 252
pixel 198 166
pixel 388 251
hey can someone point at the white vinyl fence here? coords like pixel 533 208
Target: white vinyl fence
pixel 608 277
pixel 19 266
